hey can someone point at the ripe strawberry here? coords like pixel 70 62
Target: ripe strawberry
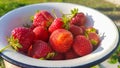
pixel 94 39
pixel 71 54
pixel 82 46
pixel 25 37
pixel 41 50
pixel 76 30
pixel 48 16
pixel 79 19
pixel 57 24
pixel 41 33
pixel 83 28
pixel 61 40
pixel 42 18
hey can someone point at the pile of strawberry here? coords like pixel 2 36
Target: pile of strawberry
pixel 53 38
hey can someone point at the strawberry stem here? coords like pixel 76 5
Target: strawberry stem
pixel 53 11
pixel 12 42
pixel 4 48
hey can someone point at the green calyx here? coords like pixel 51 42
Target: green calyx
pixel 74 11
pixel 94 42
pixel 66 22
pixel 49 55
pixel 67 17
pixel 91 30
pixel 12 42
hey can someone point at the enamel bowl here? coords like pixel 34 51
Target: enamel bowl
pixel 107 30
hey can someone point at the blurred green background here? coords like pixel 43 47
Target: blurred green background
pixel 107 8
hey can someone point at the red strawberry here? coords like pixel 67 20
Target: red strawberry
pixel 82 46
pixel 57 24
pixel 79 19
pixel 94 38
pixel 58 56
pixel 41 50
pixel 41 33
pixel 71 54
pixel 25 37
pixel 48 16
pixel 61 40
pixel 39 20
pixel 42 18
pixel 76 30
pixel 83 28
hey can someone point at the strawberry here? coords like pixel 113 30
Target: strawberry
pixel 82 46
pixel 43 18
pixel 61 40
pixel 25 37
pixel 76 30
pixel 41 50
pixel 71 54
pixel 94 39
pixel 79 19
pixel 48 16
pixel 57 24
pixel 83 29
pixel 41 33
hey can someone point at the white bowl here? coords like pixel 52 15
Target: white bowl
pixel 107 31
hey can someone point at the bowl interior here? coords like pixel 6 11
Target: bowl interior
pixel 106 28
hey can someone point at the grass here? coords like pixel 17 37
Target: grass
pixel 7 5
pixel 107 8
pixel 1 63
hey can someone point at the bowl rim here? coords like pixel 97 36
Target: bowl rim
pixel 31 66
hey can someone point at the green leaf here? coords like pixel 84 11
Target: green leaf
pixel 113 60
pixel 115 56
